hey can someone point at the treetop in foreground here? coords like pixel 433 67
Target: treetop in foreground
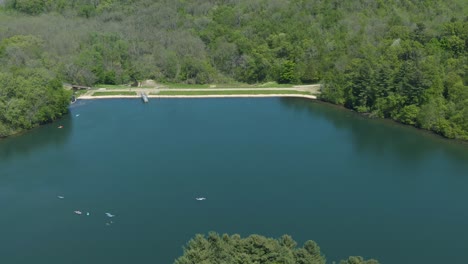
pixel 215 248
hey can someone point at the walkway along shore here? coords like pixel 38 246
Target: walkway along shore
pixel 88 97
pixel 303 91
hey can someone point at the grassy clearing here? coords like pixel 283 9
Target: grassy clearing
pixel 228 85
pixel 185 86
pixel 235 92
pixel 119 86
pixel 79 93
pixel 274 85
pixel 195 86
pixel 113 93
pixel 112 86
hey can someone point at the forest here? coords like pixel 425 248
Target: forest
pixel 400 59
pixel 215 248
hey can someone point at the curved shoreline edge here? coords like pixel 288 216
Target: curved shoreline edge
pixel 196 96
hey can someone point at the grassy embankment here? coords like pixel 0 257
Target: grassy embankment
pixel 231 92
pixel 113 93
pixel 208 89
pixel 118 86
pixel 195 86
pixel 112 86
pixel 226 85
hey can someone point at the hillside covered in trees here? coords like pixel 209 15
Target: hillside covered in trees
pixel 30 93
pixel 255 249
pixel 399 59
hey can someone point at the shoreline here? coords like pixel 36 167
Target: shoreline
pixel 87 97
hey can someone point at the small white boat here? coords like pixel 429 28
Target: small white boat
pixel 200 198
pixel 78 212
pixel 110 215
pixel 60 197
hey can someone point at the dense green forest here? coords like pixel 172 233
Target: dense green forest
pixel 399 59
pixel 255 249
pixel 30 94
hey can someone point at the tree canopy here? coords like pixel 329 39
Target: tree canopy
pixel 29 93
pixel 253 249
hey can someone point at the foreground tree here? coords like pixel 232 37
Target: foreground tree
pixel 254 249
pixel 358 260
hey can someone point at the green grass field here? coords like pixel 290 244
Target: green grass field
pixel 223 92
pixel 195 86
pixel 112 86
pixel 113 93
pixel 79 92
pixel 227 85
pixel 185 86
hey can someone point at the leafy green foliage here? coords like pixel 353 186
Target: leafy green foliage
pixel 410 77
pixel 288 73
pixel 358 260
pixel 31 7
pixel 103 59
pixel 254 249
pixel 30 97
pixel 29 93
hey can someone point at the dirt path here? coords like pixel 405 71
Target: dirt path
pixel 312 89
pixel 199 96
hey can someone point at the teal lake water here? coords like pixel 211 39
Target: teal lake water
pixel 269 166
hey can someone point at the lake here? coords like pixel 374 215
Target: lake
pixel 269 166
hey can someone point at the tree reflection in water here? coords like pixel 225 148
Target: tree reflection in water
pixel 378 136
